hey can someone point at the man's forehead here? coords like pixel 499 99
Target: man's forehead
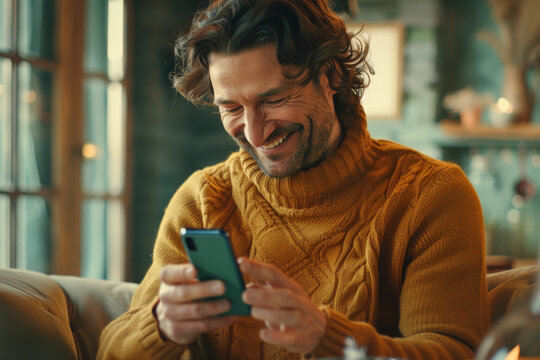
pixel 222 99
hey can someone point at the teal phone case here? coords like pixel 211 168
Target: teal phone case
pixel 211 253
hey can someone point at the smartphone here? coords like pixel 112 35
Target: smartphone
pixel 211 253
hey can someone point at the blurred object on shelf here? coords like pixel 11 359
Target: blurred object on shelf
pixel 522 132
pixel 501 113
pixel 524 187
pixel 518 48
pixel 468 104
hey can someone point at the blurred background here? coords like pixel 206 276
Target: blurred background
pixel 94 141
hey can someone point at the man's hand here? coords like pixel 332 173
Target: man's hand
pixel 292 320
pixel 182 312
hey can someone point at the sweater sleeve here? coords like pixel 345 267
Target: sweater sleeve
pixel 442 292
pixel 135 334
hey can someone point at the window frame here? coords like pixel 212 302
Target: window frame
pixel 66 195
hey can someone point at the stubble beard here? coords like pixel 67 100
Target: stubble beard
pixel 311 150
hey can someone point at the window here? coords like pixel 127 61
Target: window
pixel 63 126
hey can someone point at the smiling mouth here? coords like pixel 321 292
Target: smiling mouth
pixel 275 143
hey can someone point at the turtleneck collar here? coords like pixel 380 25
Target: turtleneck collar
pixel 309 187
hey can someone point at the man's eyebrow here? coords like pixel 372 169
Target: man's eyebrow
pixel 271 92
pixel 223 102
pixel 264 94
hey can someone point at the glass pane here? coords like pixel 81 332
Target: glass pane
pixel 5 123
pixel 115 39
pixel 95 150
pixel 116 240
pixel 36 28
pixel 94 239
pixel 95 45
pixel 4 231
pixel 5 25
pixel 35 127
pixel 103 239
pixel 34 235
pixel 116 131
pixel 104 137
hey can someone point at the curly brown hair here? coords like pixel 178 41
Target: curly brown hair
pixel 307 33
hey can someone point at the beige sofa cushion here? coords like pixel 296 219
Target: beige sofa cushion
pixel 56 317
pixel 35 319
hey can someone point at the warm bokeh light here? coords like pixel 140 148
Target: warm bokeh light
pixel 504 106
pixel 30 96
pixel 90 151
pixel 1 89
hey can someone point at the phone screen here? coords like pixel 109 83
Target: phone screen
pixel 211 253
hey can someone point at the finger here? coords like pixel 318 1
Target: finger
pixel 254 285
pixel 278 337
pixel 273 298
pixel 191 311
pixel 178 273
pixel 268 273
pixel 277 319
pixel 190 292
pixel 275 326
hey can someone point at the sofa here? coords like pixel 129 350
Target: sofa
pixel 61 317
pixel 55 317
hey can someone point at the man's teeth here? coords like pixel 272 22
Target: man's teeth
pixel 274 144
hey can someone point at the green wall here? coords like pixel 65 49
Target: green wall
pixel 171 138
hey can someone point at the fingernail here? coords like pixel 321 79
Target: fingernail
pixel 223 305
pixel 217 287
pixel 190 271
pixel 245 296
pixel 161 273
pixel 240 260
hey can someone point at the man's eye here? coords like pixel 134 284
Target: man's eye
pixel 233 110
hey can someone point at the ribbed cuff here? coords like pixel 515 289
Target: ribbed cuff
pixel 151 339
pixel 337 330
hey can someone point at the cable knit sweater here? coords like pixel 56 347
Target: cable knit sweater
pixel 387 241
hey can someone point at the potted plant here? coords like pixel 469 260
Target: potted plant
pixel 468 104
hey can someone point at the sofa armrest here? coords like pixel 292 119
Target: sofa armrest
pixel 92 304
pixel 35 320
pixel 510 288
pixel 55 316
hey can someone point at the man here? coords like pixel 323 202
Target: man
pixel 345 236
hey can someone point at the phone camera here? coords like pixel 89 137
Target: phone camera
pixel 191 244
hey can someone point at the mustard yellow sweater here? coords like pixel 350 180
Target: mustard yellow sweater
pixel 387 241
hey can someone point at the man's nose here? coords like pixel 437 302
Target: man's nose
pixel 256 128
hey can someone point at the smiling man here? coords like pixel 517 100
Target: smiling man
pixel 284 127
pixel 342 235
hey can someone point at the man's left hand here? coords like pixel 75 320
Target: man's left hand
pixel 291 318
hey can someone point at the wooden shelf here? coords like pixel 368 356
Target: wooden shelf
pixel 529 132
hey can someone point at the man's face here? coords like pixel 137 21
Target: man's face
pixel 284 127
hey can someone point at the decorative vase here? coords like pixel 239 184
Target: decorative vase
pixel 516 91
